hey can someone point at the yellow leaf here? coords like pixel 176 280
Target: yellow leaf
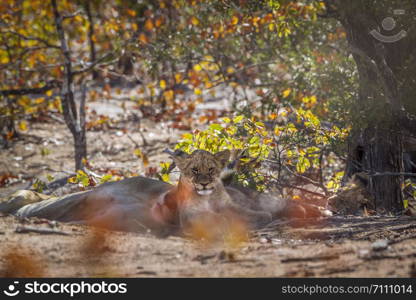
pixel 162 84
pixel 178 77
pixel 39 100
pixel 165 177
pixel 234 20
pixel 277 130
pixel 169 95
pixel 194 21
pixel 23 125
pixel 197 91
pixel 197 67
pixel 287 92
pixel 238 119
pixel 138 152
pixel 78 18
pixel 330 184
pixel 230 70
pixel 4 59
pixel 49 93
pixel 72 179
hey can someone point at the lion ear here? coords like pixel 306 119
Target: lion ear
pixel 223 157
pixel 179 158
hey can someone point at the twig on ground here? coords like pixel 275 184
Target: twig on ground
pixel 310 258
pixel 29 229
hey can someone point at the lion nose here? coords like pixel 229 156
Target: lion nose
pixel 204 184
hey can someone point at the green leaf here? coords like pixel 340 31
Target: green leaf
pixel 85 181
pixel 105 178
pixel 302 165
pixel 187 136
pixel 165 177
pixel 81 173
pixel 238 119
pixel 216 126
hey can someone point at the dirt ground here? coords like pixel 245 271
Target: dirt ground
pixel 335 247
pixel 332 247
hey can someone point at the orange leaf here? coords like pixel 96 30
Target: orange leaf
pixel 143 38
pixel 148 25
pixel 23 125
pixel 287 92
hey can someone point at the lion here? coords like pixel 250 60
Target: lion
pixel 145 204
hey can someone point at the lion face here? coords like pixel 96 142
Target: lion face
pixel 202 169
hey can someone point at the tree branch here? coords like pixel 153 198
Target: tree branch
pixel 26 91
pixel 32 38
pixel 92 65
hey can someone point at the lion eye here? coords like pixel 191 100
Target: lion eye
pixel 195 171
pixel 211 170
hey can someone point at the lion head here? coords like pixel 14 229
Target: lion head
pixel 202 170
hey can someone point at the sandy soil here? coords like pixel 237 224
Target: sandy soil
pixel 333 247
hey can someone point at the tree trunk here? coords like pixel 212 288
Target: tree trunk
pixel 382 108
pixel 74 120
pixel 377 155
pixel 80 145
pixel 93 56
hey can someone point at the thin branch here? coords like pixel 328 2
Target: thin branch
pixel 25 91
pixel 29 229
pixel 82 107
pixel 391 174
pixel 77 13
pixel 92 65
pixel 32 38
pixel 304 190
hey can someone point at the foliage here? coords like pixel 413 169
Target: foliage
pixel 297 146
pixel 285 70
pixel 240 133
pixel 88 178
